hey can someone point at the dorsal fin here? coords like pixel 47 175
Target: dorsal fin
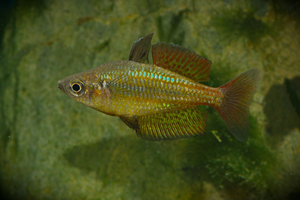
pixel 140 49
pixel 181 61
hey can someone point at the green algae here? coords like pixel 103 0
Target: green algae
pixel 293 93
pixel 230 163
pixel 281 114
pixel 168 27
pixel 238 24
pixel 289 8
pixel 250 163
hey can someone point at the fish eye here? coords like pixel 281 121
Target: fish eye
pixel 77 88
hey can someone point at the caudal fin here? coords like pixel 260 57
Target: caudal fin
pixel 234 109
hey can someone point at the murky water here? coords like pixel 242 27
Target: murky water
pixel 52 147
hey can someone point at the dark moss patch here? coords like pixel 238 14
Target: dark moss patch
pixel 293 90
pixel 168 27
pixel 101 46
pixel 24 7
pixel 239 24
pixel 220 73
pixel 260 7
pixel 279 110
pixel 290 8
pixel 230 163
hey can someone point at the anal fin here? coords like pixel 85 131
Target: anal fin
pixel 172 125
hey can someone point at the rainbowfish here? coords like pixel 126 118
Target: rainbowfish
pixel 164 100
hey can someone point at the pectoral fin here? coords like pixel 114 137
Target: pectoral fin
pixel 130 121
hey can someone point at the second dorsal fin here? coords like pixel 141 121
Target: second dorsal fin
pixel 140 49
pixel 181 61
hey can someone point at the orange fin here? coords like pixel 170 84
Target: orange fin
pixel 140 49
pixel 181 61
pixel 234 109
pixel 172 125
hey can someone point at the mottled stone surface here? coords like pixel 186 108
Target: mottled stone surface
pixel 52 147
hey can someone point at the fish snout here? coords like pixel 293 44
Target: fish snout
pixel 60 85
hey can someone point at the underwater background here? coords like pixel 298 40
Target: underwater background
pixel 52 147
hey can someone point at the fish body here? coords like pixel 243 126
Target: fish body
pixel 134 88
pixel 163 100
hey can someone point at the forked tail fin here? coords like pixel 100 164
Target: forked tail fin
pixel 234 109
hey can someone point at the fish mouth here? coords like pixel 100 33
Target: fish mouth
pixel 60 86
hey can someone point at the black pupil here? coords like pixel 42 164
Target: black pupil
pixel 76 87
